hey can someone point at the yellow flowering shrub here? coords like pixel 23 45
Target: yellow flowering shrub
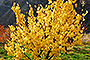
pixel 57 23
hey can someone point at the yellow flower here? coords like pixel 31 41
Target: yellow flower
pixel 76 5
pixel 14 4
pixel 82 9
pixel 27 2
pixel 12 28
pixel 13 8
pixel 83 14
pixel 35 6
pixel 86 12
pixel 83 19
pixel 81 31
pixel 74 1
pixel 50 1
pixel 83 3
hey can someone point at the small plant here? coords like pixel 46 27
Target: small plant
pixel 4 34
pixel 4 37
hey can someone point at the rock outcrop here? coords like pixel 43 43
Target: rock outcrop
pixel 7 17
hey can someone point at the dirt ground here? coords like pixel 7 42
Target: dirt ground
pixel 86 38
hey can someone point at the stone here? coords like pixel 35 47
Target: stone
pixel 7 17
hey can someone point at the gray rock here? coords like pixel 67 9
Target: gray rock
pixel 7 17
pixel 1 2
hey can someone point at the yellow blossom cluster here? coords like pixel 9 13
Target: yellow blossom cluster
pixel 56 24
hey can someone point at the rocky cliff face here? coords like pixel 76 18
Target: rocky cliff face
pixel 87 17
pixel 7 17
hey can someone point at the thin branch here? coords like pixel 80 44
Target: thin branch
pixel 48 53
pixel 27 56
pixel 51 57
